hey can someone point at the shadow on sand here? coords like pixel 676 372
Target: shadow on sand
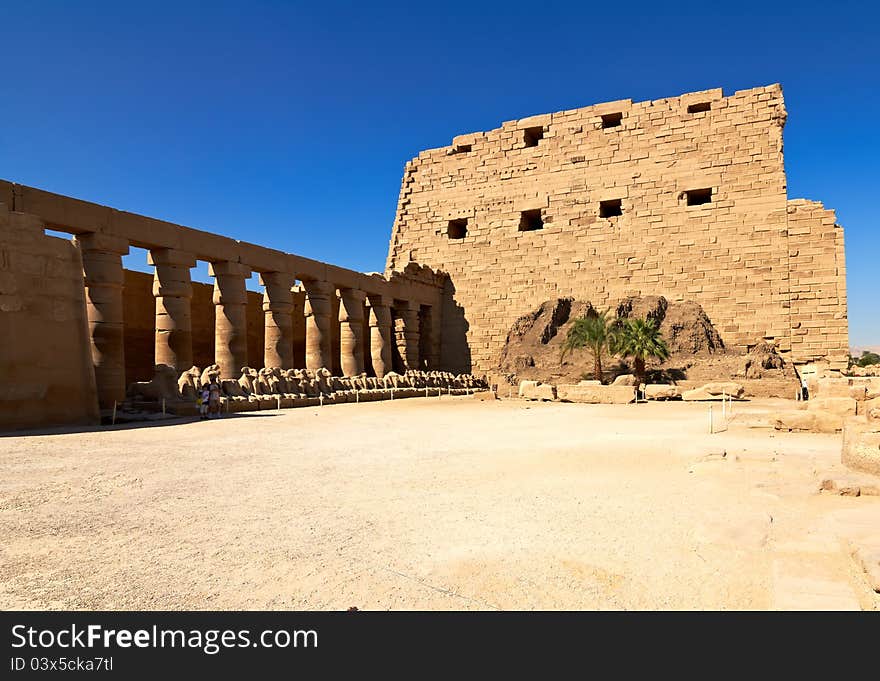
pixel 105 428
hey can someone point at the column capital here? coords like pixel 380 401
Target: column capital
pixel 407 306
pixel 318 288
pixel 227 268
pixel 352 294
pixel 379 300
pixel 277 279
pixel 170 256
pixel 103 243
pixel 351 307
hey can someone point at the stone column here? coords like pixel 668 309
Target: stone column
pixel 299 328
pixel 351 331
pixel 430 340
pixel 318 319
pixel 278 308
pixel 230 316
pixel 380 334
pixel 173 291
pixel 408 334
pixel 104 279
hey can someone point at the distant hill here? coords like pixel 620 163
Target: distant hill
pixel 857 350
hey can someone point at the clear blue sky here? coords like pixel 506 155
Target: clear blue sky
pixel 288 124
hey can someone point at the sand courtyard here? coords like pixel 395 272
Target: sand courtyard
pixel 453 503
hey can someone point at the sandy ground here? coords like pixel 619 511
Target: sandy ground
pixel 428 504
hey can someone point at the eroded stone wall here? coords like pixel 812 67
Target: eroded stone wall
pixel 818 283
pixel 617 193
pixel 46 374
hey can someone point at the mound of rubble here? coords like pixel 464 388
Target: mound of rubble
pixel 697 354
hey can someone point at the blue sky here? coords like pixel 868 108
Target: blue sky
pixel 288 124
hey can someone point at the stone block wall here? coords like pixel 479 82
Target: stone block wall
pixel 818 283
pixel 46 375
pixel 682 197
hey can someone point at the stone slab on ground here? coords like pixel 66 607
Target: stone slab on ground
pixel 714 391
pixel 660 391
pixel 841 406
pixel 810 421
pixel 852 485
pixel 861 446
pixel 534 390
pixel 597 394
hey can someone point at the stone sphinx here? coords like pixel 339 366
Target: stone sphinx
pixel 266 383
pixel 189 383
pixel 392 380
pixel 322 378
pixel 211 373
pixel 232 388
pixel 248 380
pixel 292 379
pixel 309 384
pixel 163 385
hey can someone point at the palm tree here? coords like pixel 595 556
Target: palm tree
pixel 641 340
pixel 592 331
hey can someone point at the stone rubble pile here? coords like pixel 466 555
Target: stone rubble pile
pixel 832 402
pixel 625 390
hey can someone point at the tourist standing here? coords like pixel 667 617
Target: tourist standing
pixel 214 399
pixel 204 399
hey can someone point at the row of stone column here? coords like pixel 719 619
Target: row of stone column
pixel 172 289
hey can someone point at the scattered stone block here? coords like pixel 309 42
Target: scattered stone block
pixel 625 379
pixel 597 394
pixel 714 391
pixel 809 421
pixel 842 406
pixel 658 391
pixel 861 446
pixel 832 387
pixel 534 390
pixel 870 409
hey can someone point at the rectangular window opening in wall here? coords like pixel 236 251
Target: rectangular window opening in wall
pixel 531 136
pixel 699 107
pixel 457 229
pixel 462 149
pixel 56 233
pixel 697 197
pixel 611 208
pixel 530 220
pixel 612 120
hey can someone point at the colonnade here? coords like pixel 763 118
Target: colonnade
pixel 393 323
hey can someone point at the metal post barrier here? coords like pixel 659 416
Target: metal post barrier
pixel 114 413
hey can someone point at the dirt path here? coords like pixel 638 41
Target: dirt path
pixel 419 503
